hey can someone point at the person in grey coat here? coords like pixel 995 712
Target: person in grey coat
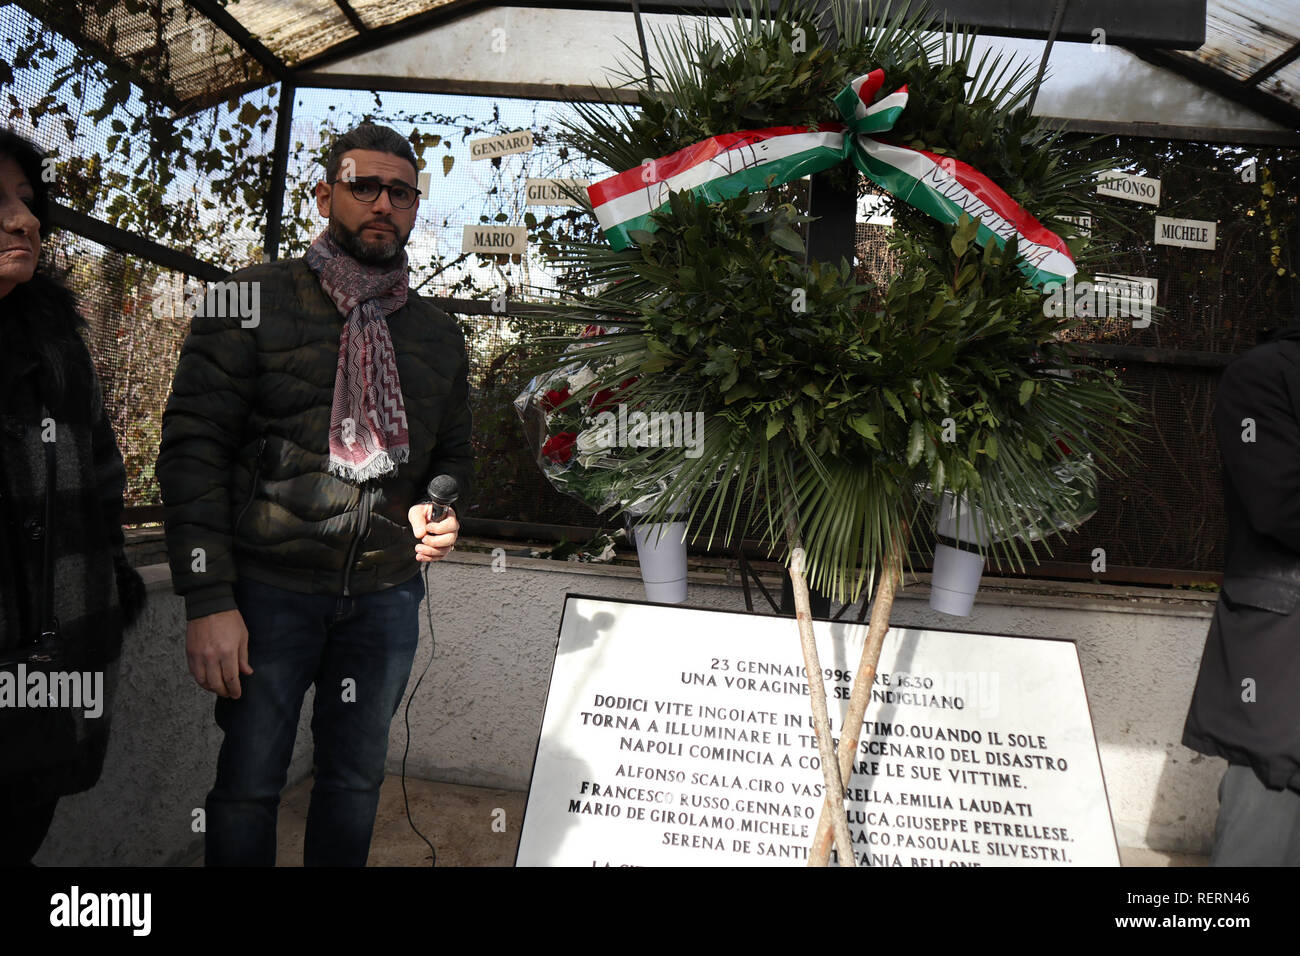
pixel 1246 705
pixel 67 592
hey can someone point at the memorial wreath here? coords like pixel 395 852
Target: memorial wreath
pixel 845 407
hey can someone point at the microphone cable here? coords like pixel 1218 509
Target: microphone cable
pixel 428 611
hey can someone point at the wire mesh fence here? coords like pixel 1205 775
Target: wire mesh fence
pixel 198 182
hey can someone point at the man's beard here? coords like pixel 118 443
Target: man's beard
pixel 384 252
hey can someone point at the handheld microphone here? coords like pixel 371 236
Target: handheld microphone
pixel 443 491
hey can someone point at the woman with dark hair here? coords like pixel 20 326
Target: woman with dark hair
pixel 66 589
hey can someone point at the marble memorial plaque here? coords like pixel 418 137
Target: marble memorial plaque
pixel 683 736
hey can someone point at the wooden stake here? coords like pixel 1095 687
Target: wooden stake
pixel 833 813
pixel 861 696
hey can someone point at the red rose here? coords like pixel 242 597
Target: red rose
pixel 559 448
pixel 592 330
pixel 1065 449
pixel 552 398
pixel 602 400
pixel 626 382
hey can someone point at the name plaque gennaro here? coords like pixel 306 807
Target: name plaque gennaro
pixel 491 147
pixel 683 736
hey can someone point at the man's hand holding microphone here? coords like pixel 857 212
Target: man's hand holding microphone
pixel 434 522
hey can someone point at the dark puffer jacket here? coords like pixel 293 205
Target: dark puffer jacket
pixel 245 444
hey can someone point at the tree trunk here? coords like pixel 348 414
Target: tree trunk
pixel 851 732
pixel 836 819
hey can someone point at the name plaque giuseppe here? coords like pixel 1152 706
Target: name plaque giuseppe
pixel 551 192
pixel 683 736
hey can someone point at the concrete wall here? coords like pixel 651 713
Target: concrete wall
pixel 162 753
pixel 477 715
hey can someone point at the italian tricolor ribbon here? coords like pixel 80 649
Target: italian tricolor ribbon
pixel 722 167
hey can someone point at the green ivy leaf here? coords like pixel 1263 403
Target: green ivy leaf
pixel 915 444
pixel 787 238
pixel 744 390
pixel 1026 390
pixel 863 426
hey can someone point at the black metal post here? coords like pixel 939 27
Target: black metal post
pixel 279 170
pixel 645 55
pixel 832 237
pixel 1047 51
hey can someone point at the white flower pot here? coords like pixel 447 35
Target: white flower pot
pixel 662 551
pixel 957 573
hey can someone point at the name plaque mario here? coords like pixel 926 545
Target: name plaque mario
pixel 683 736
pixel 501 240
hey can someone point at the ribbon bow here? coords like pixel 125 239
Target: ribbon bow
pixel 722 167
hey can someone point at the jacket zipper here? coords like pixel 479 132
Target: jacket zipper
pixel 252 488
pixel 363 523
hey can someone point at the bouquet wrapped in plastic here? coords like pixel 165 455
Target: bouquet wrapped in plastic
pixel 571 418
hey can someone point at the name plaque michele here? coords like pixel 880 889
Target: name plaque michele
pixel 684 736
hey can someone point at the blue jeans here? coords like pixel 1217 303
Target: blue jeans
pixel 358 651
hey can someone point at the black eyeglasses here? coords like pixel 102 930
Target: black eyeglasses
pixel 400 195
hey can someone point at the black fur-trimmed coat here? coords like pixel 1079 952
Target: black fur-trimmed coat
pixel 48 389
pixel 1246 706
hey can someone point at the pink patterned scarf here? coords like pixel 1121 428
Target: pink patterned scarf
pixel 368 435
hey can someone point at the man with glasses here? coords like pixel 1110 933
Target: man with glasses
pixel 297 445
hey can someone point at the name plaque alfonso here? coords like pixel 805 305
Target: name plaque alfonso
pixel 683 736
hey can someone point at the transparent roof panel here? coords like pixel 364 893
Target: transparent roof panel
pixel 188 55
pixel 380 13
pixel 293 29
pixel 1243 35
pixel 1285 83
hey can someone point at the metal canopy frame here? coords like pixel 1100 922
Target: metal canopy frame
pixel 1168 24
pixel 1175 24
pixel 1148 25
